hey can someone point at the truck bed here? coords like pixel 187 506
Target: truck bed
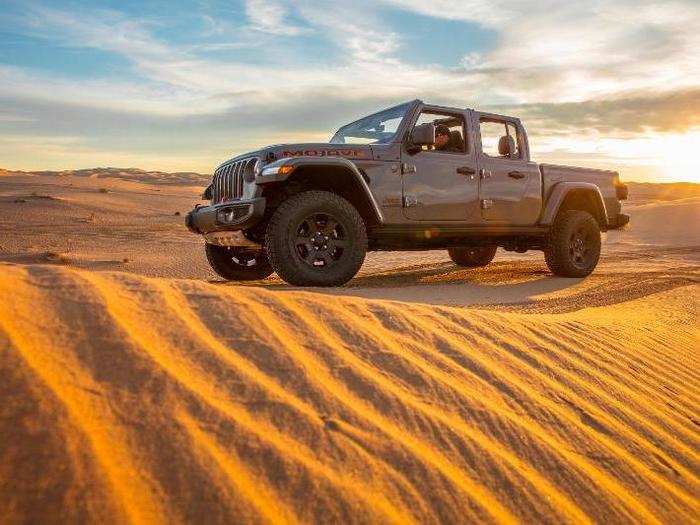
pixel 553 173
pixel 605 180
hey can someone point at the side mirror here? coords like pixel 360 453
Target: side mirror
pixel 506 146
pixel 423 135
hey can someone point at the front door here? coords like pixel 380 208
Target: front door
pixel 440 183
pixel 510 183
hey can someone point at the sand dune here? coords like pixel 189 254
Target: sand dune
pixel 134 399
pixel 671 223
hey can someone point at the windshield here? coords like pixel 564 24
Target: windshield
pixel 379 128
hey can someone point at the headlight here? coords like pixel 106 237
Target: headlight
pixel 285 169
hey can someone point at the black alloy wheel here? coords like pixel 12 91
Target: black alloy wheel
pixel 581 248
pixel 320 240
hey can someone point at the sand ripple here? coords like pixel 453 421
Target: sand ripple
pixel 131 399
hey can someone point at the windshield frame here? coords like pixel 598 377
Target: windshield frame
pixel 397 135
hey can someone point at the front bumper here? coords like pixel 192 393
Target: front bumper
pixel 226 216
pixel 618 222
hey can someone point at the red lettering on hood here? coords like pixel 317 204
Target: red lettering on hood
pixel 324 153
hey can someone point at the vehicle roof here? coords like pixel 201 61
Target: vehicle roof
pixel 484 114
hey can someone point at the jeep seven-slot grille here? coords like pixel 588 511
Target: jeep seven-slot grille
pixel 228 180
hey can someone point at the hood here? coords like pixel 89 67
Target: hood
pixel 310 149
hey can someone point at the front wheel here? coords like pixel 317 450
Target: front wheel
pixel 238 264
pixel 573 247
pixel 316 238
pixel 472 256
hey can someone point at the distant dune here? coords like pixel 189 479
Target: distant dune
pixel 669 223
pixel 138 387
pixel 671 191
pixel 130 174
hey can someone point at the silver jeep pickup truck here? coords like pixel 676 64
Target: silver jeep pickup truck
pixel 411 177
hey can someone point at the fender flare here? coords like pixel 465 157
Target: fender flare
pixel 273 173
pixel 561 190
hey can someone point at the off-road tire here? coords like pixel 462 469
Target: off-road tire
pixel 472 256
pixel 563 254
pixel 238 264
pixel 290 257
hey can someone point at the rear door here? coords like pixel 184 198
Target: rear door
pixel 442 185
pixel 510 190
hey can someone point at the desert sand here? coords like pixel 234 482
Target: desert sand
pixel 138 387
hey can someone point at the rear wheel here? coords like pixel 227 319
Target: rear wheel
pixel 238 264
pixel 316 238
pixel 472 256
pixel 573 248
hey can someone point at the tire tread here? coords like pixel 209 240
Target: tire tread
pixel 276 248
pixel 461 256
pixel 217 258
pixel 556 252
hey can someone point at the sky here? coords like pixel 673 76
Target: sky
pixel 181 86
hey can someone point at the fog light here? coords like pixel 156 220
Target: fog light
pixel 233 214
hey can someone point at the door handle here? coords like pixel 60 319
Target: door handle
pixel 517 175
pixel 466 170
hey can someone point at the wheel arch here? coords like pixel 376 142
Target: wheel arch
pixel 575 196
pixel 336 175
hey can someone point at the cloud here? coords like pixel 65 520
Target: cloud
pixel 356 29
pixel 6 116
pixel 634 114
pixel 559 52
pixel 104 29
pixel 594 67
pixel 271 17
pixel 175 80
pixel 573 51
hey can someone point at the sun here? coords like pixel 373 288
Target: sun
pixel 670 157
pixel 680 157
